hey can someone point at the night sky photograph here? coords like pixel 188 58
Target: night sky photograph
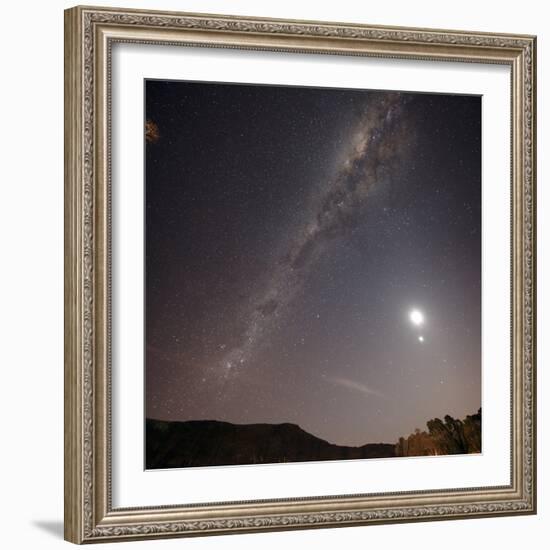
pixel 312 274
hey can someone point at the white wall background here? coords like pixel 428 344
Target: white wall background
pixel 31 278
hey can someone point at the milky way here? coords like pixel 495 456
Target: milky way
pixel 382 139
pixel 289 234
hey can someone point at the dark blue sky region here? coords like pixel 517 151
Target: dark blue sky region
pixel 290 232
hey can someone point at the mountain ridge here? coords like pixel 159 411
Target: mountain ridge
pixel 193 443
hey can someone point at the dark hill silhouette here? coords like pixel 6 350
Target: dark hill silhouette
pixel 214 443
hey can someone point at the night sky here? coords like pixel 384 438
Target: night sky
pixel 290 234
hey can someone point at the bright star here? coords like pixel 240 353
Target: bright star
pixel 416 317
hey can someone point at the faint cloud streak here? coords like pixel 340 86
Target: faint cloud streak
pixel 352 385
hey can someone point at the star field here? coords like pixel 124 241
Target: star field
pixel 290 233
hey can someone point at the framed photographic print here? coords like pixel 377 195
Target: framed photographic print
pixel 300 274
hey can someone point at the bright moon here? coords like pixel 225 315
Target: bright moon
pixel 416 317
pixel 421 338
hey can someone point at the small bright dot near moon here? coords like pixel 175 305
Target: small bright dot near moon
pixel 421 338
pixel 416 317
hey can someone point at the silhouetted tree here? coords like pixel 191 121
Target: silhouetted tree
pixel 447 437
pixel 401 447
pixel 472 432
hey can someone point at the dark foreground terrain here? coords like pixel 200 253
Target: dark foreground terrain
pixel 213 443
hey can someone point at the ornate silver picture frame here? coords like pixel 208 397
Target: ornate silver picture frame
pixel 90 512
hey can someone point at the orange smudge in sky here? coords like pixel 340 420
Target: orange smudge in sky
pixel 151 132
